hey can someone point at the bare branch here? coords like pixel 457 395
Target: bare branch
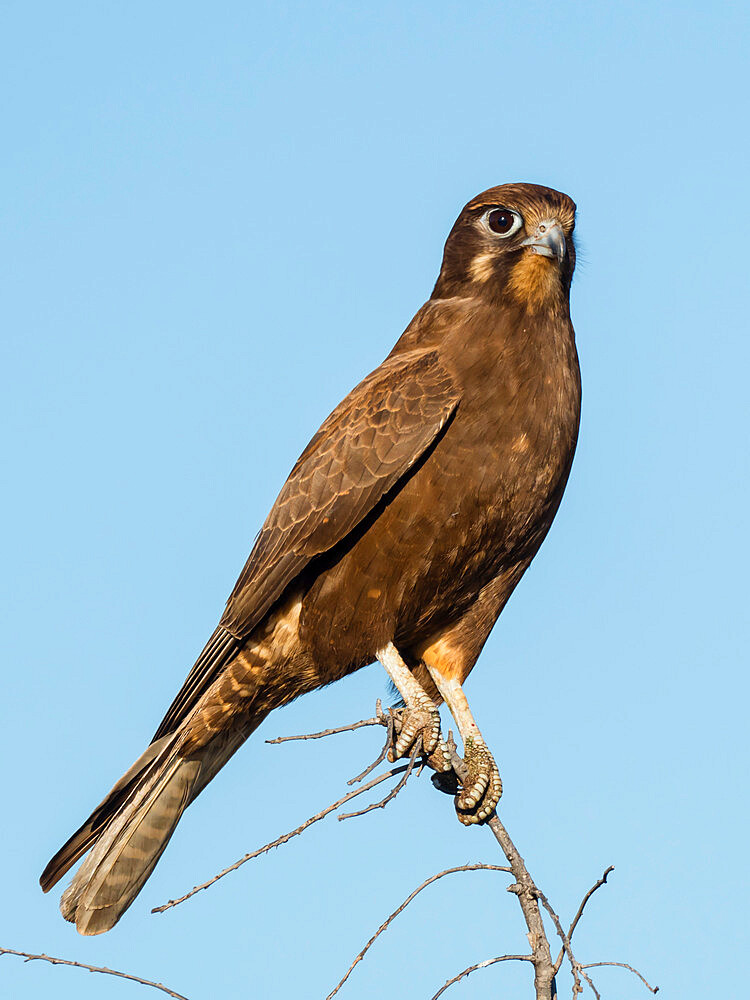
pixel 389 724
pixel 93 968
pixel 529 895
pixel 524 889
pixel 284 838
pixel 623 965
pixel 394 791
pixel 602 881
pixel 575 965
pixel 329 732
pixel 481 965
pixel 380 719
pixel 595 991
pixel 402 907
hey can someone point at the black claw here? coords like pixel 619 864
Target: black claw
pixel 446 782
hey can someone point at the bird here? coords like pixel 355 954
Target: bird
pixel 398 537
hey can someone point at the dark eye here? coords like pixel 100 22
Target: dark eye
pixel 502 221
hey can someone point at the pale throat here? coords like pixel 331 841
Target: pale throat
pixel 535 283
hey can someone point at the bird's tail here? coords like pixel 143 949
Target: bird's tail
pixel 129 830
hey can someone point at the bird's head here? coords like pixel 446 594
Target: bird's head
pixel 513 240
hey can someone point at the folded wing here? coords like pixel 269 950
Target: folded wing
pixel 361 452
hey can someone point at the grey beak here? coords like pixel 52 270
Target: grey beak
pixel 548 240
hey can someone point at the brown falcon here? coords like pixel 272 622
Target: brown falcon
pixel 398 536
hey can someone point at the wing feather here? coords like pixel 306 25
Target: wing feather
pixel 361 451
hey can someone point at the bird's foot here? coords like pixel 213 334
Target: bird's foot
pixel 481 791
pixel 440 759
pixel 419 720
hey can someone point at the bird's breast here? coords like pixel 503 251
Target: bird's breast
pixel 515 432
pixel 481 499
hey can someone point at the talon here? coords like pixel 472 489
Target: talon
pixel 471 795
pixel 440 759
pixel 446 782
pixel 481 792
pixel 421 720
pixel 405 740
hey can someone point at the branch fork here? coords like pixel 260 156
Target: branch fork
pixel 531 899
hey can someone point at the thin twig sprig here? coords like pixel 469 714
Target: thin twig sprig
pixel 283 838
pixel 623 965
pixel 27 957
pixel 480 965
pixel 328 732
pixel 383 719
pixel 531 899
pixel 386 923
pixel 574 923
pixel 396 788
pixel 404 769
pixel 575 966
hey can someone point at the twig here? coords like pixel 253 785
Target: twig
pixel 597 885
pixel 389 723
pixel 402 907
pixel 623 965
pixel 394 791
pixel 575 965
pixel 380 719
pixel 525 890
pixel 481 965
pixel 329 732
pixel 529 895
pixel 284 838
pixel 92 968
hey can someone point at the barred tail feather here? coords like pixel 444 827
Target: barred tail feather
pixel 90 831
pixel 129 830
pixel 127 851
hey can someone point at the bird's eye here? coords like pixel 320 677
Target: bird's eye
pixel 502 221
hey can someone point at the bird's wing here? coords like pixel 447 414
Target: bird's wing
pixel 370 441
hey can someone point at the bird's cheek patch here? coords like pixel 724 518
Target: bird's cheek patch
pixel 482 266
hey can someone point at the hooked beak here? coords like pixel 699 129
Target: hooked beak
pixel 547 240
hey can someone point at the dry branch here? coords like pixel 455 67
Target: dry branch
pixel 394 791
pixel 574 923
pixel 328 732
pixel 283 838
pixel 623 965
pixel 575 966
pixel 524 889
pixel 389 724
pixel 480 965
pixel 402 907
pixel 93 968
pixel 405 769
pixel 531 899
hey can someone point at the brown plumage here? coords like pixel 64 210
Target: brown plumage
pixel 399 535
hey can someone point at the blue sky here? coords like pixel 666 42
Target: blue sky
pixel 217 219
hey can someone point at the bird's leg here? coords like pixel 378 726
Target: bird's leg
pixel 419 717
pixel 480 794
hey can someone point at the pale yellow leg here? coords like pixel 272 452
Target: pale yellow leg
pixel 419 718
pixel 481 793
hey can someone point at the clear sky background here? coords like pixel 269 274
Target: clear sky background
pixel 218 218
